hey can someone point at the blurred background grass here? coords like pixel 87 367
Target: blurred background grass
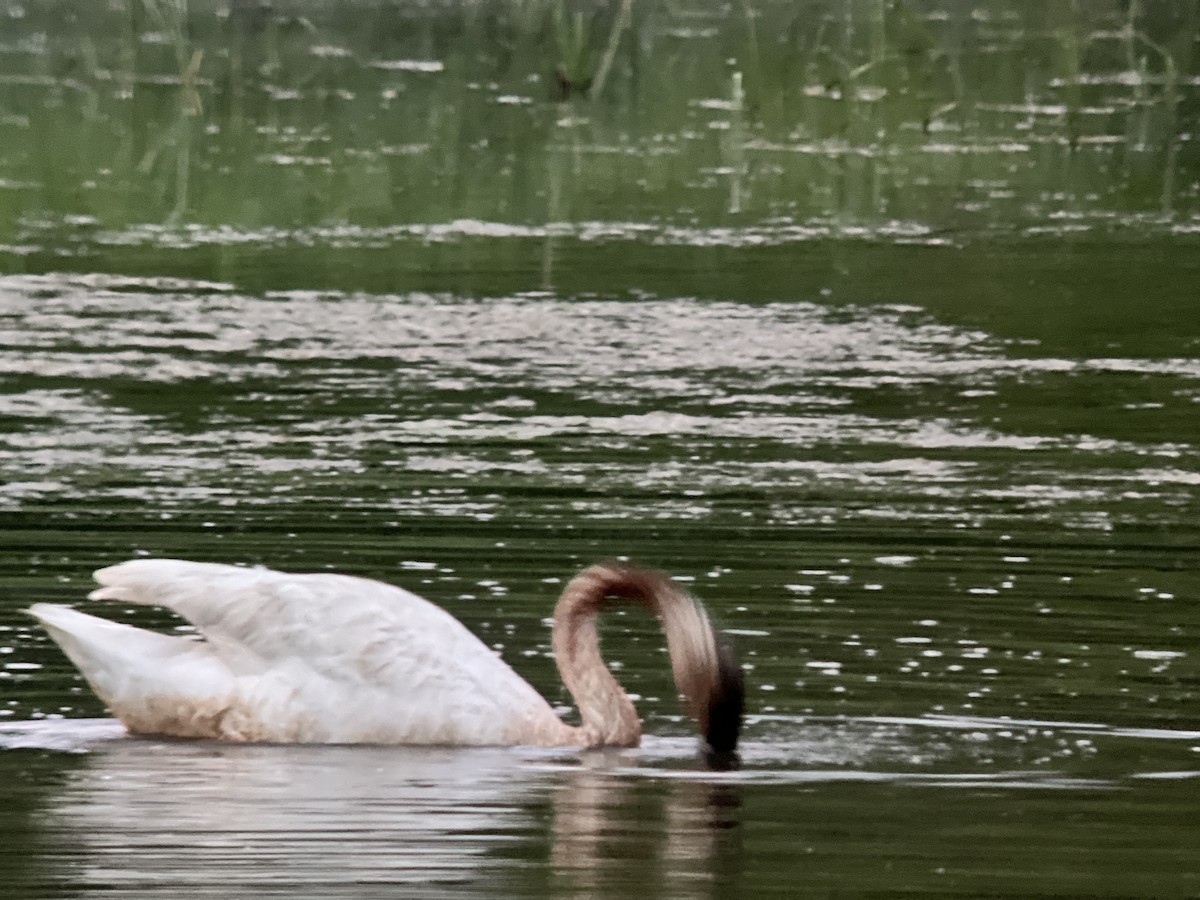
pixel 125 123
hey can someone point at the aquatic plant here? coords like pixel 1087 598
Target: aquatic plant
pixel 298 115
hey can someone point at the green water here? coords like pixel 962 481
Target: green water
pixel 879 324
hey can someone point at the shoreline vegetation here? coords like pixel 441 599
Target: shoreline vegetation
pixel 354 125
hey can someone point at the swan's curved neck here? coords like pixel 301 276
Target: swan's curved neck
pixel 608 715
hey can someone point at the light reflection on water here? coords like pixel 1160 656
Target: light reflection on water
pixel 463 388
pixel 217 819
pixel 897 374
pixel 953 562
pixel 202 407
pixel 135 814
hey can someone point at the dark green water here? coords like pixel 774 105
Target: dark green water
pixel 894 356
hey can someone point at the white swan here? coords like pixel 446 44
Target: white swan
pixel 338 659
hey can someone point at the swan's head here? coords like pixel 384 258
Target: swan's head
pixel 721 721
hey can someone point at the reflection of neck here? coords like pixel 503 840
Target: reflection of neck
pixel 689 836
pixel 607 712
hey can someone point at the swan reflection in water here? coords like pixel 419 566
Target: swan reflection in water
pixel 621 833
pixel 211 818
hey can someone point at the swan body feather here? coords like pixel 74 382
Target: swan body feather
pixel 325 658
pixel 294 658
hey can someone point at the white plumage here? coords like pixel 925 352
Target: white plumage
pixel 326 658
pixel 293 658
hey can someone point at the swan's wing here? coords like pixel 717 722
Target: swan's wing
pixel 355 659
pixel 257 618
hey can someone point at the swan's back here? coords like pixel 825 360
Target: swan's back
pixel 296 658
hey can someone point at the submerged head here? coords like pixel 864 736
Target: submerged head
pixel 726 703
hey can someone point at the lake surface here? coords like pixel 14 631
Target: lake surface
pixel 881 332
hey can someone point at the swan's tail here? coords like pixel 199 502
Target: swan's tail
pixel 105 652
pixel 703 663
pixel 133 670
